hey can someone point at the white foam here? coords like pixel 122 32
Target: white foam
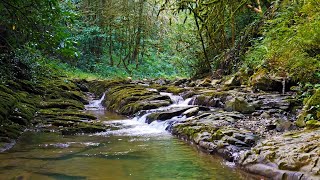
pixel 96 104
pixel 131 127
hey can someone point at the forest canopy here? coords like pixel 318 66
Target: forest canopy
pixel 163 38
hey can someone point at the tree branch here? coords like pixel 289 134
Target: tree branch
pixel 256 9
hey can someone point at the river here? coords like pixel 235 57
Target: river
pixel 130 149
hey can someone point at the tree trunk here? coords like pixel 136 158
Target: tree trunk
pixel 138 37
pixel 202 43
pixel 110 45
pixel 233 25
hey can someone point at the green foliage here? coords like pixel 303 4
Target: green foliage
pixel 40 23
pixel 291 44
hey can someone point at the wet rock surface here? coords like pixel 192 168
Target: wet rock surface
pixel 255 129
pixel 48 105
pixel 286 154
pixel 234 124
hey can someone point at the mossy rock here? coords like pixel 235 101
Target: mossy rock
pixel 128 99
pixel 63 123
pixel 134 107
pixel 99 87
pixel 262 80
pixel 165 115
pixel 58 86
pixel 222 95
pixel 24 97
pixel 66 85
pixel 55 112
pixel 311 109
pixel 11 131
pixel 6 90
pixel 175 90
pixel 300 122
pixel 232 81
pixel 240 105
pixel 75 95
pixel 84 128
pixel 7 102
pixel 61 103
pixel 217 135
pixel 22 113
pixel 312 124
pixel 204 100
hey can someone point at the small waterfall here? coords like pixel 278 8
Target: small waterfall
pixel 174 98
pixel 178 102
pixel 96 104
pixel 137 126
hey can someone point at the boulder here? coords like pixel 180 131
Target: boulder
pixel 204 100
pixel 205 83
pixel 179 82
pixel 165 115
pixel 294 152
pixel 239 104
pixel 232 81
pixel 191 112
pixel 262 80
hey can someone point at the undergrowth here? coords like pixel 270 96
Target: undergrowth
pixel 290 46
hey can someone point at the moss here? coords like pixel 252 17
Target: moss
pixel 84 128
pixel 189 130
pixel 217 135
pixel 134 107
pixel 75 95
pixel 216 94
pixel 311 109
pixel 300 122
pixel 240 105
pixel 313 124
pixel 7 101
pixel 262 80
pixel 99 87
pixel 258 75
pixel 61 103
pixel 11 131
pixel 24 111
pixel 175 90
pixel 54 112
pixel 6 90
pixel 14 85
pixel 124 98
pixel 314 100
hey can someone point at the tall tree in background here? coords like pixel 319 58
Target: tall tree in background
pixel 124 26
pixel 217 24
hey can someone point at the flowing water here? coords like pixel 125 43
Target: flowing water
pixel 131 149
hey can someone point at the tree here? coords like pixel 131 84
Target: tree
pixel 40 23
pixel 217 24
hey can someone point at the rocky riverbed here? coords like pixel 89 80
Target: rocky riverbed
pixel 255 129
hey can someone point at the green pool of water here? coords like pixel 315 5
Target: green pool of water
pixel 122 154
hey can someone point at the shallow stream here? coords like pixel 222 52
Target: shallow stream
pixel 131 149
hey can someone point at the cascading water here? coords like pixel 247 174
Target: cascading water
pixel 129 149
pixel 174 98
pixel 96 104
pixel 178 102
pixel 137 126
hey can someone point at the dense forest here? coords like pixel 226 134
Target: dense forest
pixel 258 58
pixel 149 39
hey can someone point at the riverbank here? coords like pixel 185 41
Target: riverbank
pixel 256 130
pixel 54 104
